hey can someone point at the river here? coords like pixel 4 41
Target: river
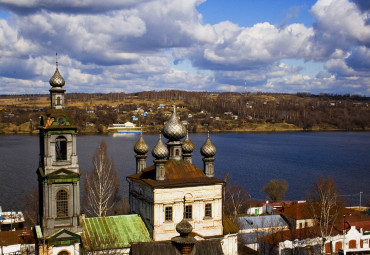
pixel 252 160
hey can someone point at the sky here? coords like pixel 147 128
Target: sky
pixel 284 46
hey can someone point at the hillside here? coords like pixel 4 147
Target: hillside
pixel 217 112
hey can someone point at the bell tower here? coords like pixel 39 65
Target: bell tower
pixel 58 172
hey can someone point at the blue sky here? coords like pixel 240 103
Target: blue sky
pixel 284 46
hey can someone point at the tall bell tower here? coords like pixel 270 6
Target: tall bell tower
pixel 58 172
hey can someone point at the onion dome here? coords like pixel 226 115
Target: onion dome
pixel 57 79
pixel 141 148
pixel 187 145
pixel 174 129
pixel 184 228
pixel 160 151
pixel 208 149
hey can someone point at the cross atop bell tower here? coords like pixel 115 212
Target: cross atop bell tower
pixel 57 92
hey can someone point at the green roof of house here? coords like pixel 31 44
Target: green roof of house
pixel 113 232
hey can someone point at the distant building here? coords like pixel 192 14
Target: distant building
pixel 17 242
pixel 11 220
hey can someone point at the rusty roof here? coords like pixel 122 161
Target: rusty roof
pixel 298 211
pixel 17 237
pixel 179 173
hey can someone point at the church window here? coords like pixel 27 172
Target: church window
pixel 59 101
pixel 208 210
pixel 61 148
pixel 62 203
pixel 168 213
pixel 188 212
pixel 177 152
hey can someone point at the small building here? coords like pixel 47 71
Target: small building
pixel 252 228
pixel 17 242
pixel 11 220
pixel 298 215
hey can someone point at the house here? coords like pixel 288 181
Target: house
pixel 309 241
pixel 298 215
pixel 254 227
pixel 17 242
pixel 258 208
pixel 348 234
pixel 11 220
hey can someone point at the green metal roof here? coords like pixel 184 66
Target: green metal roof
pixel 113 232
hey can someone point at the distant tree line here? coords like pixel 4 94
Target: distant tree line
pixel 304 110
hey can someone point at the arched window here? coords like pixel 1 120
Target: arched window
pixel 62 203
pixel 63 253
pixel 61 148
pixel 177 152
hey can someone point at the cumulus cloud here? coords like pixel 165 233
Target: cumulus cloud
pixel 131 45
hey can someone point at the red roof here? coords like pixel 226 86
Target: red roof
pixel 17 237
pixel 179 173
pixel 297 211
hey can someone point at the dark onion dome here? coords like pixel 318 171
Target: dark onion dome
pixel 184 228
pixel 187 145
pixel 174 130
pixel 141 148
pixel 160 151
pixel 208 149
pixel 57 79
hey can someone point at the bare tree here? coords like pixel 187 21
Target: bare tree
pixel 235 198
pixel 101 184
pixel 275 189
pixel 30 208
pixel 325 206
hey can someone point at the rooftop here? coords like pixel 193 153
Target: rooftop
pixel 178 173
pixel 113 232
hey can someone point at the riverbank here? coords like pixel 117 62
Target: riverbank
pixel 28 128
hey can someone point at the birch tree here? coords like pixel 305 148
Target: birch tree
pixel 325 206
pixel 235 198
pixel 101 184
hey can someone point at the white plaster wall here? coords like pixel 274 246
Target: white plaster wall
pixel 196 196
pixel 230 244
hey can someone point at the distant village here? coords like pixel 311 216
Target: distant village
pixel 201 111
pixel 174 206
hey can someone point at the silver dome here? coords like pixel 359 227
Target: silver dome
pixel 160 151
pixel 187 145
pixel 208 149
pixel 57 79
pixel 141 148
pixel 174 130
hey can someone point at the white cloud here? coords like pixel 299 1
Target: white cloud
pixel 127 45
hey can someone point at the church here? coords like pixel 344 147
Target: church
pixel 168 198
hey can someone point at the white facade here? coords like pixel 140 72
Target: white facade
pixel 151 204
